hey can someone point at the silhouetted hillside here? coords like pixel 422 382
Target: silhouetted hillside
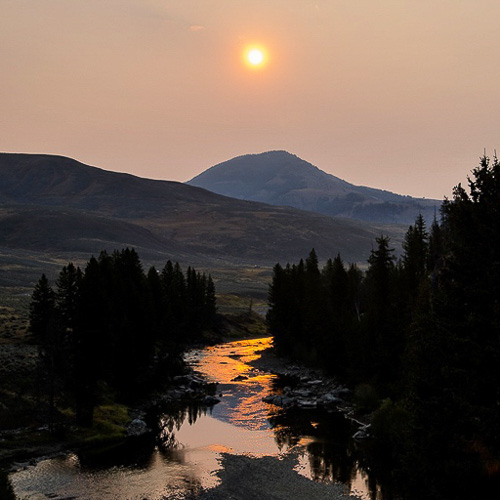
pixel 280 178
pixel 58 206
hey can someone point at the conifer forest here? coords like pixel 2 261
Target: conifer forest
pixel 112 327
pixel 420 333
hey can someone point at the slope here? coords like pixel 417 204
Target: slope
pixel 281 178
pixel 54 206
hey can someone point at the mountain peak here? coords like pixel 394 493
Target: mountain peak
pixel 282 178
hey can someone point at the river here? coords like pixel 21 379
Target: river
pixel 240 424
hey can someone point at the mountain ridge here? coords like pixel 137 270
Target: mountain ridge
pixel 283 179
pixel 59 206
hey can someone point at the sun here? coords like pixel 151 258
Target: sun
pixel 255 56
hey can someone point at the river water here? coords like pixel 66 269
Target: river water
pixel 241 423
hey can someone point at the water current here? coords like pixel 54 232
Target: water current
pixel 241 424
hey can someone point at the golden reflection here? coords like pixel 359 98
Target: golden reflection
pixel 223 363
pixel 220 448
pixel 241 386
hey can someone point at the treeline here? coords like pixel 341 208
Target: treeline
pixel 419 335
pixel 113 327
pixel 350 322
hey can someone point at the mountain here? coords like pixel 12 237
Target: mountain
pixel 53 209
pixel 281 178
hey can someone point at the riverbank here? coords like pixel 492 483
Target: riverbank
pixel 311 388
pixel 24 410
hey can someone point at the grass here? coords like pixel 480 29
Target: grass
pixel 108 426
pixel 236 304
pixel 14 312
pixel 107 432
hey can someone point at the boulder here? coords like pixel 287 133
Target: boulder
pixel 362 432
pixel 137 428
pixel 315 382
pixel 307 403
pixel 210 400
pixel 330 398
pixel 272 399
pixel 182 379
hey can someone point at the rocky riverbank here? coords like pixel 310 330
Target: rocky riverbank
pixel 307 388
pixel 25 435
pixel 245 477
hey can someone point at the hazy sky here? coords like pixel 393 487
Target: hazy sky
pixel 401 95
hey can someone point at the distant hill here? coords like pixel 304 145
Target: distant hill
pixel 53 208
pixel 281 178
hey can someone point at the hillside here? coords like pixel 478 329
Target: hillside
pixel 280 178
pixel 54 208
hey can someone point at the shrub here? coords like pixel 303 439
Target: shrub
pixel 366 398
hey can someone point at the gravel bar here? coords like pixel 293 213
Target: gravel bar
pixel 270 478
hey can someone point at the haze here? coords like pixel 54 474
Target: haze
pixel 400 95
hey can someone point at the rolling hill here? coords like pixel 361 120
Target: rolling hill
pixel 283 179
pixel 54 209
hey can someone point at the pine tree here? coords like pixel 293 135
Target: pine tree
pixel 314 320
pixel 336 316
pixel 379 278
pixel 435 253
pixel 416 256
pixel 210 303
pixel 275 316
pixel 42 310
pixel 455 348
pixel 92 349
pixel 67 294
pixel 469 287
pixel 47 333
pixel 155 300
pixel 383 341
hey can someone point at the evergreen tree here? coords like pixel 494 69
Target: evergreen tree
pixel 380 278
pixel 435 252
pixel 313 307
pixel 383 341
pixel 454 350
pixel 415 256
pixel 355 290
pixel 67 294
pixel 47 333
pixel 42 311
pixel 469 287
pixel 210 302
pixel 156 301
pixel 131 329
pixel 92 348
pixel 337 316
pixel 277 314
pixel 174 293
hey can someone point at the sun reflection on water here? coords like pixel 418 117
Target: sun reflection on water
pixel 241 387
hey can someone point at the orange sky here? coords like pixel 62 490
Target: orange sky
pixel 396 94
